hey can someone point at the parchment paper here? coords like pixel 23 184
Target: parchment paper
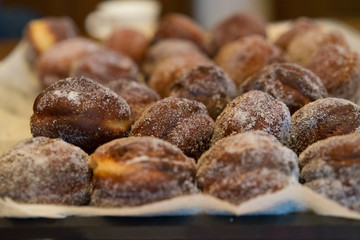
pixel 18 89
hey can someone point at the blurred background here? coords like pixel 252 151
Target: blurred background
pixel 14 14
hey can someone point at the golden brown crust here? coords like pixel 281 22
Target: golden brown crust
pixel 247 56
pixel 182 122
pixel 321 119
pixel 138 170
pixel 43 170
pixel 41 34
pixel 208 85
pixel 246 165
pixel 290 83
pixel 80 111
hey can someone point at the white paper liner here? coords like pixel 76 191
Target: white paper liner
pixel 291 199
pixel 18 89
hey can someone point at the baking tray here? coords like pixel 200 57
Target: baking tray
pixel 291 226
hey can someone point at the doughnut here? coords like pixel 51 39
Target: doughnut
pixel 246 165
pixel 45 171
pixel 81 112
pixel 304 46
pixel 206 84
pixel 297 27
pixel 56 62
pixel 321 119
pixel 339 69
pixel 287 82
pixel 138 170
pixel 182 122
pixel 166 48
pixel 247 56
pixel 254 110
pixel 128 41
pixel 175 25
pixel 138 95
pixel 331 167
pixel 166 71
pixel 236 26
pixel 41 34
pixel 104 66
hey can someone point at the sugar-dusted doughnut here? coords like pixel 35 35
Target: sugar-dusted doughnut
pixel 206 84
pixel 56 62
pixel 138 170
pixel 321 119
pixel 254 110
pixel 42 34
pixel 339 69
pixel 247 56
pixel 80 111
pixel 44 170
pixel 246 165
pixel 331 167
pixel 236 26
pixel 138 95
pixel 182 122
pixel 104 66
pixel 290 83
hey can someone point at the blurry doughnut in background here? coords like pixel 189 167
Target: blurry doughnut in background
pixel 41 34
pixel 234 27
pixel 128 41
pixel 56 63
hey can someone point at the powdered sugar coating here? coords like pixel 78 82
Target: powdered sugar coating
pixel 247 56
pixel 246 165
pixel 331 167
pixel 138 95
pixel 55 63
pixel 104 66
pixel 339 69
pixel 80 111
pixel 167 71
pixel 321 119
pixel 43 170
pixel 137 170
pixel 254 110
pixel 290 83
pixel 344 193
pixel 206 84
pixel 182 122
pixel 304 46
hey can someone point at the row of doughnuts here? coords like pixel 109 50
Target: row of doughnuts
pixel 201 108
